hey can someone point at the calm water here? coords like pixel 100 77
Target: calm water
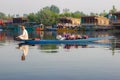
pixel 99 61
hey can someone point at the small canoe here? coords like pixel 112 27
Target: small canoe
pixel 65 41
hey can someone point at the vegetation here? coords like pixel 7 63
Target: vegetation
pixel 2 15
pixel 113 10
pixel 49 15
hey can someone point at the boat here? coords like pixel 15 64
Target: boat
pixel 65 41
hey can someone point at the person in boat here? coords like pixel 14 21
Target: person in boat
pixel 84 37
pixel 78 36
pixel 72 37
pixel 66 36
pixel 24 35
pixel 59 37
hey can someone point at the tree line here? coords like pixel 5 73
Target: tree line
pixel 49 15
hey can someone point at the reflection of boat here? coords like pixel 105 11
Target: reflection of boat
pixel 65 41
pixel 69 46
pixel 87 45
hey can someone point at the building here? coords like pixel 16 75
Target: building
pixel 95 23
pixel 94 20
pixel 69 22
pixel 115 20
pixel 20 20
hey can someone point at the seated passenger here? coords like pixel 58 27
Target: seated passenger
pixel 67 36
pixel 72 37
pixel 85 37
pixel 59 37
pixel 78 36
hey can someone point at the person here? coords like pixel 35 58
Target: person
pixel 72 37
pixel 59 37
pixel 85 37
pixel 66 36
pixel 78 36
pixel 24 35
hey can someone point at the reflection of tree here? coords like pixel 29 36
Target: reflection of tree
pixel 116 41
pixel 113 41
pixel 49 35
pixel 48 48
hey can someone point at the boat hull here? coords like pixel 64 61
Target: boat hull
pixel 65 41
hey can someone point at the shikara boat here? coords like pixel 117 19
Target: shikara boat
pixel 65 41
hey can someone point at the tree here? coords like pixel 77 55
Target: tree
pixel 93 14
pixel 46 17
pixel 113 10
pixel 66 10
pixel 104 13
pixel 32 17
pixel 66 15
pixel 46 8
pixel 78 14
pixel 55 9
pixel 2 15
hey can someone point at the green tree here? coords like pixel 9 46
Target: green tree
pixel 66 10
pixel 2 15
pixel 104 13
pixel 55 9
pixel 113 10
pixel 46 16
pixel 93 14
pixel 32 17
pixel 78 14
pixel 46 8
pixel 75 14
pixel 83 14
pixel 66 15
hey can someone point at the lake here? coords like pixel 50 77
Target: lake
pixel 99 61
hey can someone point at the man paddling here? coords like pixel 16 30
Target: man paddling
pixel 24 35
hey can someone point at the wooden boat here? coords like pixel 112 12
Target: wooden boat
pixel 65 41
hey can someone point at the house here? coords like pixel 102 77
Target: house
pixel 95 23
pixel 20 20
pixel 115 20
pixel 94 20
pixel 69 22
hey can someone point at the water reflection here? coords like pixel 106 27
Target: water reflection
pixel 24 49
pixel 69 46
pixel 48 48
pixel 63 62
pixel 7 36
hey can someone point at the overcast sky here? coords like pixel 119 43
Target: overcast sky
pixel 28 6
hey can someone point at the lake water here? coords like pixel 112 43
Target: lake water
pixel 100 61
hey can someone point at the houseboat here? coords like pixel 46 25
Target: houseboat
pixel 66 24
pixel 30 26
pixel 115 20
pixel 95 23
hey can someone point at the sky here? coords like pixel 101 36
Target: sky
pixel 29 6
